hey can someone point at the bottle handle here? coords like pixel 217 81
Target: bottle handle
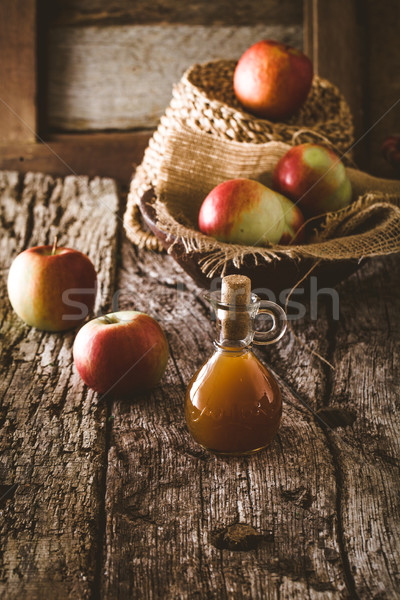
pixel 279 323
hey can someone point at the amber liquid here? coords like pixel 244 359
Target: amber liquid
pixel 233 404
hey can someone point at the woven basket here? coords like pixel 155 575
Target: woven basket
pixel 204 101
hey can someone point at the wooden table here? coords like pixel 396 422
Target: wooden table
pixel 112 499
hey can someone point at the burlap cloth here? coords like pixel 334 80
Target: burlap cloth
pixel 186 158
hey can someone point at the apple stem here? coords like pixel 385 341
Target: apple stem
pixel 53 250
pixel 109 320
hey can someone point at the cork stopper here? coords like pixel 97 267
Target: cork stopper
pixel 236 290
pixel 235 323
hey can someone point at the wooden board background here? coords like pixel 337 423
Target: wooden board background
pixel 113 65
pixel 18 64
pixel 195 12
pixel 58 70
pixel 354 44
pixel 121 77
pixel 382 55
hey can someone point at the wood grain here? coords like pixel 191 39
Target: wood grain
pixel 199 12
pixel 363 390
pixel 382 85
pixel 121 77
pixel 52 428
pixel 354 44
pixel 94 154
pixel 18 114
pixel 334 38
pixel 118 501
pixel 366 355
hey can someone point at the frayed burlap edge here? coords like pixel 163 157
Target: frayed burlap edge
pixel 368 227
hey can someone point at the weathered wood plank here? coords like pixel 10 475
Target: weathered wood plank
pixel 362 391
pixel 121 77
pixel 383 85
pixel 167 499
pixel 334 40
pixel 18 114
pixel 355 45
pixel 366 381
pixel 201 12
pixel 95 154
pixel 52 429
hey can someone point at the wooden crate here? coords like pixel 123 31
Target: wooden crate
pixel 70 70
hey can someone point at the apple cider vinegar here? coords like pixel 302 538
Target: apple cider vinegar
pixel 233 403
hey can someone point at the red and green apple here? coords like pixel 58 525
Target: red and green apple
pixel 121 353
pixel 52 288
pixel 244 211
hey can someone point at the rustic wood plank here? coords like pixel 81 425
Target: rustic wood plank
pixel 334 39
pixel 366 355
pixel 358 410
pixel 18 115
pixel 52 428
pixel 201 12
pixel 168 500
pixel 121 77
pixel 355 45
pixel 382 85
pixel 96 154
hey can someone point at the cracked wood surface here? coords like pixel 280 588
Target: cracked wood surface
pixel 52 428
pixel 116 501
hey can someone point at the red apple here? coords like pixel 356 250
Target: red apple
pixel 272 80
pixel 122 352
pixel 52 288
pixel 244 211
pixel 314 177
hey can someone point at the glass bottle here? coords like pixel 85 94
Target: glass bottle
pixel 233 403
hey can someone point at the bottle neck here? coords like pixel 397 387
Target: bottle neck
pixel 231 351
pixel 234 330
